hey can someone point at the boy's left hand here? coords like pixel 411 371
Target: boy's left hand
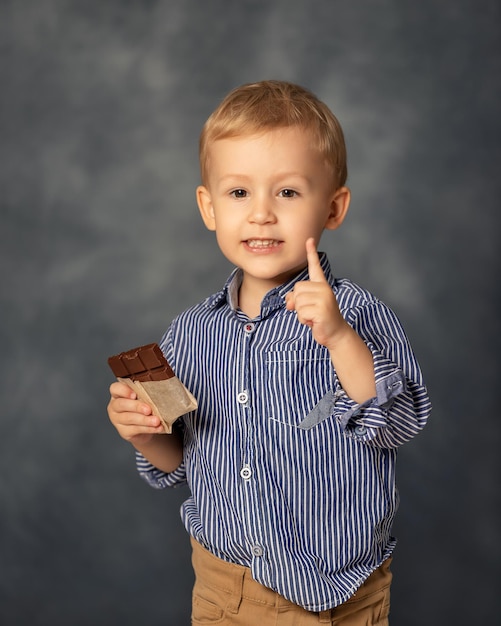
pixel 315 303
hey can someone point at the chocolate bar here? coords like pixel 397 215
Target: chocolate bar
pixel 141 364
pixel 146 370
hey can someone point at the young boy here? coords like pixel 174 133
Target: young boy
pixel 306 385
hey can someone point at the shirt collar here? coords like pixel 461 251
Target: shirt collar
pixel 274 299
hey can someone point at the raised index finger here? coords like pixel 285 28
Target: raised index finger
pixel 314 268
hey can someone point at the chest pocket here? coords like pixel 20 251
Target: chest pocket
pixel 297 380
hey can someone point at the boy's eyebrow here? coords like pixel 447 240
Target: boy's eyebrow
pixel 279 176
pixel 232 177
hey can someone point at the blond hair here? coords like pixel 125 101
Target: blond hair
pixel 257 107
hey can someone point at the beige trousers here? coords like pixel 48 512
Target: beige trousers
pixel 225 593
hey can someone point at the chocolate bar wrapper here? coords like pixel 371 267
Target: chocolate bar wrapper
pixel 169 399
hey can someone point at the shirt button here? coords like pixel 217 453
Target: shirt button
pixel 360 430
pixel 249 327
pixel 246 472
pixel 398 383
pixel 257 551
pixel 243 397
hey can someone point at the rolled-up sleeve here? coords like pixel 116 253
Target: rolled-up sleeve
pixel 158 479
pixel 401 407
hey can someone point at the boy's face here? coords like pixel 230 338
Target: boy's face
pixel 265 196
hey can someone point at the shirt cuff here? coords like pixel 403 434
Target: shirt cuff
pixel 362 420
pixel 158 479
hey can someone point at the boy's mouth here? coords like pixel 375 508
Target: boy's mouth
pixel 262 243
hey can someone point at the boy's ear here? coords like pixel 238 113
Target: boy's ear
pixel 204 202
pixel 339 207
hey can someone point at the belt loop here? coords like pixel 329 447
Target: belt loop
pixel 325 617
pixel 238 589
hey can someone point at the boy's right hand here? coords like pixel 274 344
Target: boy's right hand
pixel 131 417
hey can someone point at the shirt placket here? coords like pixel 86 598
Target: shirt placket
pixel 248 474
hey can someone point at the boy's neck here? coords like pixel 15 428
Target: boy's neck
pixel 249 304
pixel 252 292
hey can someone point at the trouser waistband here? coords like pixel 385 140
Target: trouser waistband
pixel 236 580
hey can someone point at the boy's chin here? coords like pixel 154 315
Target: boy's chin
pixel 274 278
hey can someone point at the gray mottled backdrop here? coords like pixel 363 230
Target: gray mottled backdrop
pixel 101 105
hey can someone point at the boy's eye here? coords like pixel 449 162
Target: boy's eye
pixel 288 193
pixel 238 193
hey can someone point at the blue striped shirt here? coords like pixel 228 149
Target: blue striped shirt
pixel 288 476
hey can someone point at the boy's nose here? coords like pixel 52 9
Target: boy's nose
pixel 261 212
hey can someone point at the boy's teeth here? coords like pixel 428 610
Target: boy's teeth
pixel 261 243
